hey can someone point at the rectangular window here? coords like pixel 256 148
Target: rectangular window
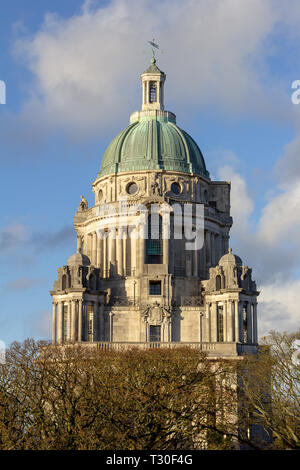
pixel 155 287
pixel 154 243
pixel 155 333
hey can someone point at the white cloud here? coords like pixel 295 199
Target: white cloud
pixel 86 68
pixel 280 219
pixel 272 248
pixel 279 307
pixel 241 203
pixel 287 169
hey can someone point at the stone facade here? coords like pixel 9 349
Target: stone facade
pixel 127 287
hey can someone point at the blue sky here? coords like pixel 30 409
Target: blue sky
pixel 72 75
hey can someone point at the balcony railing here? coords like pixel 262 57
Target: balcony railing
pixel 188 301
pixel 107 345
pixel 192 301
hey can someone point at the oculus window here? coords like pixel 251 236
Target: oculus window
pixel 175 188
pixel 132 188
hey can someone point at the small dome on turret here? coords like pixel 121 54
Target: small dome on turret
pixel 79 259
pixel 230 259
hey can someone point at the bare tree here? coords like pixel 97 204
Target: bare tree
pixel 271 382
pixel 75 397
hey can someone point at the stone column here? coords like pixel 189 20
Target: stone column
pixel 85 328
pixel 120 252
pixel 214 323
pixel 158 92
pixel 89 245
pixel 80 320
pixel 133 242
pixel 200 327
pixel 169 331
pixel 94 249
pixel 112 242
pixel 60 323
pixel 99 251
pixel 249 323
pixel 236 321
pixel 171 246
pixel 54 322
pixel 79 244
pixel 230 321
pixel 241 326
pixel 225 321
pixel 105 254
pixel 73 322
pixel 110 326
pixel 124 250
pixel 69 320
pixel 144 92
pixel 141 242
pixel 255 322
pixel 207 336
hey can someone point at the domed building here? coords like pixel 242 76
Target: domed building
pixel 153 266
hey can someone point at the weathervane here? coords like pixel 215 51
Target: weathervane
pixel 153 46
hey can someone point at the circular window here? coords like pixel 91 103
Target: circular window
pixel 132 188
pixel 175 188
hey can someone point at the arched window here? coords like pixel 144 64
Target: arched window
pixel 152 92
pixel 154 243
pixel 220 323
pixel 218 282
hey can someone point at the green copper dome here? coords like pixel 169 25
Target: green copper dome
pixel 153 141
pixel 153 144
